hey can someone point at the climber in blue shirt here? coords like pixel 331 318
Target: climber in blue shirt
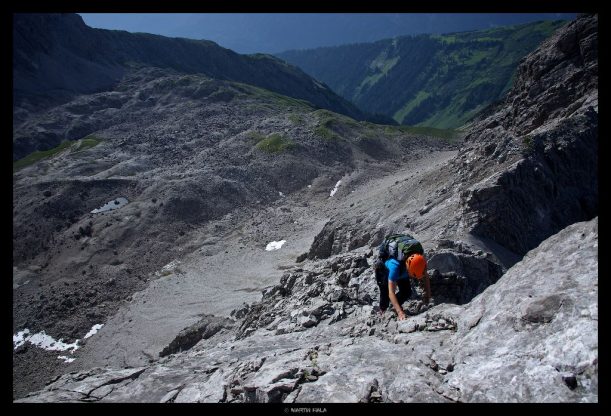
pixel 397 276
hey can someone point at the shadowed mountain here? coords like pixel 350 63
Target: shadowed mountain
pixel 57 56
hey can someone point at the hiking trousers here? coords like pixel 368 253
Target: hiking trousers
pixel 405 289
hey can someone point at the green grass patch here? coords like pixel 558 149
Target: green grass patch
pixel 287 102
pixel 76 146
pixel 369 81
pixel 256 136
pixel 326 121
pixel 447 118
pixel 222 94
pixel 88 142
pixel 483 79
pixel 325 133
pixel 382 66
pixel 410 105
pixel 327 117
pixel 446 134
pixel 488 39
pixel 333 126
pixel 476 57
pixel 278 100
pixel 274 143
pixel 447 39
pixel 40 154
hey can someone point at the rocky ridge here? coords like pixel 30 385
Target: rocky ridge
pixel 436 80
pixel 530 169
pixel 445 353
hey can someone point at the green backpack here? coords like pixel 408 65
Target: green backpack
pixel 399 246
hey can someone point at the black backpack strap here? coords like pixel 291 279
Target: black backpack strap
pixel 380 271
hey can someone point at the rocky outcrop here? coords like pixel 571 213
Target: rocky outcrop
pixel 530 337
pixel 529 169
pixel 459 273
pixel 203 329
pixel 337 237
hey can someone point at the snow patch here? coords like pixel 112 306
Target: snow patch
pixel 274 245
pixel 170 266
pixel 19 339
pixel 109 206
pixel 334 190
pixel 46 342
pixel 168 269
pixel 42 340
pixel 94 329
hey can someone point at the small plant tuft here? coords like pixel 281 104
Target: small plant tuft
pixel 295 119
pixel 528 142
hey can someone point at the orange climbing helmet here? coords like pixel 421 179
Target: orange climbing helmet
pixel 416 265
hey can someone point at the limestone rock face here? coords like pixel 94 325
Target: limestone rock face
pixel 533 336
pixel 529 169
pixel 530 337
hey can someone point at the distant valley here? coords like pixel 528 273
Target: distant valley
pixel 426 80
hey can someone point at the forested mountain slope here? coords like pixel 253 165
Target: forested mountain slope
pixel 429 80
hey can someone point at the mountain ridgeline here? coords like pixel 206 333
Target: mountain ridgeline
pixel 426 80
pixel 57 57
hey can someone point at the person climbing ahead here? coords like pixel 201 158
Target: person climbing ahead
pixel 400 258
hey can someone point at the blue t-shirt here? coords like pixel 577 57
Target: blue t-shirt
pixel 396 270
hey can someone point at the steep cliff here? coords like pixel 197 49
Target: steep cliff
pixel 531 168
